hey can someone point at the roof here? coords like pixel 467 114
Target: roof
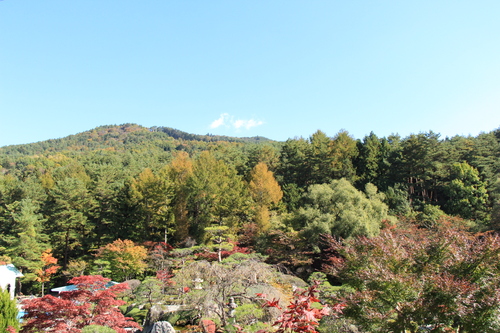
pixel 10 269
pixel 73 287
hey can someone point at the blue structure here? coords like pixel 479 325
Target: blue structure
pixel 73 287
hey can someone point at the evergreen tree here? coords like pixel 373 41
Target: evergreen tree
pixel 28 241
pixel 9 193
pixel 8 312
pixel 293 172
pixel 263 153
pixel 320 158
pixel 369 159
pixel 418 166
pixel 68 227
pixel 294 167
pixel 106 216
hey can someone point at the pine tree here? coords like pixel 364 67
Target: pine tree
pixel 8 311
pixel 320 158
pixel 27 243
pixel 70 205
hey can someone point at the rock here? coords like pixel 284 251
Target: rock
pixel 154 314
pixel 162 327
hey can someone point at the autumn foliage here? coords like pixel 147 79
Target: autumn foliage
pixel 123 258
pixel 91 303
pixel 265 191
pixel 411 277
pixel 303 313
pixel 49 268
pixel 300 315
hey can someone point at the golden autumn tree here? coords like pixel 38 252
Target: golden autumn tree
pixel 265 191
pixel 179 171
pixel 150 195
pixel 123 259
pixel 217 195
pixel 343 150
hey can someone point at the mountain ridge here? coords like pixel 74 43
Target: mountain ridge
pixel 121 137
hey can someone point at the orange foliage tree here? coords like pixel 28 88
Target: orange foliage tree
pixel 48 269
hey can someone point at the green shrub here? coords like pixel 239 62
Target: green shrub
pixel 97 329
pixel 248 313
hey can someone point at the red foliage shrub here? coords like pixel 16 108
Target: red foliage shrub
pixel 90 303
pixel 300 316
pixel 207 326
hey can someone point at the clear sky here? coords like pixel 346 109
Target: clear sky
pixel 279 69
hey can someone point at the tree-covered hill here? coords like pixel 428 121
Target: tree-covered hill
pixel 120 138
pixel 77 194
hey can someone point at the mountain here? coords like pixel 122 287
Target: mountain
pixel 124 137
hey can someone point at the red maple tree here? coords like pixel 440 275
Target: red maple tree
pixel 300 316
pixel 90 303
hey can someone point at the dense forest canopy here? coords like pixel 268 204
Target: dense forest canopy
pixel 77 194
pixel 158 204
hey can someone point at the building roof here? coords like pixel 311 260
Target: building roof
pixel 11 270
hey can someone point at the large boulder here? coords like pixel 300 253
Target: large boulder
pixel 161 327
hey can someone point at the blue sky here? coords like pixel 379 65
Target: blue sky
pixel 279 69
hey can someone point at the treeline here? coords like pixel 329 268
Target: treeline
pixel 80 193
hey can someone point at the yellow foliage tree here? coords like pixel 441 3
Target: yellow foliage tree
pixel 265 191
pixel 179 171
pixel 151 195
pixel 123 259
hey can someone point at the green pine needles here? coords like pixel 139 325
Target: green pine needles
pixel 8 311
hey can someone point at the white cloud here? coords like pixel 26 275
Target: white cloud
pixel 221 121
pixel 228 121
pixel 247 123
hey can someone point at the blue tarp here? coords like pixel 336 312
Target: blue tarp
pixel 73 287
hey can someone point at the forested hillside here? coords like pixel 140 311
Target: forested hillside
pixel 80 192
pixel 80 195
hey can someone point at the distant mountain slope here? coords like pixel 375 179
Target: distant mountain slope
pixel 176 134
pixel 123 137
